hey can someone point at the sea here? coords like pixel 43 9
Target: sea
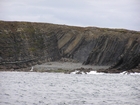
pixel 42 88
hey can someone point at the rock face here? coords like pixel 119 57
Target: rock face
pixel 23 44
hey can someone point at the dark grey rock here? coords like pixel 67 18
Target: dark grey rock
pixel 24 44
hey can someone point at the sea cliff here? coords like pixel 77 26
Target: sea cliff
pixel 24 44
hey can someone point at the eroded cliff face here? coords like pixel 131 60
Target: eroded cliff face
pixel 23 44
pixel 98 46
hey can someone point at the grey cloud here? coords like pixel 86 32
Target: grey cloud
pixel 102 13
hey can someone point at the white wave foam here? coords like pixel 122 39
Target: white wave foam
pixel 91 72
pixel 126 73
pixel 94 72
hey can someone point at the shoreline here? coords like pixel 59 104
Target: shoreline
pixel 70 67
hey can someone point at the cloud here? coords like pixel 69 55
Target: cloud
pixel 101 13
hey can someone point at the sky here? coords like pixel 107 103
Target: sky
pixel 97 13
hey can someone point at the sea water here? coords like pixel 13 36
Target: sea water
pixel 34 88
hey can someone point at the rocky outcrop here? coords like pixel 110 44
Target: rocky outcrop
pixel 23 44
pixel 129 60
pixel 103 46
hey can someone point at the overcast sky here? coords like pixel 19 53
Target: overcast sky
pixel 100 13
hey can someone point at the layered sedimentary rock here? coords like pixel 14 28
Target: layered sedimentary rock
pixel 110 47
pixel 23 44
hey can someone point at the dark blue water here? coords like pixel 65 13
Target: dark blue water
pixel 32 88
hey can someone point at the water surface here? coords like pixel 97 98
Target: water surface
pixel 34 88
